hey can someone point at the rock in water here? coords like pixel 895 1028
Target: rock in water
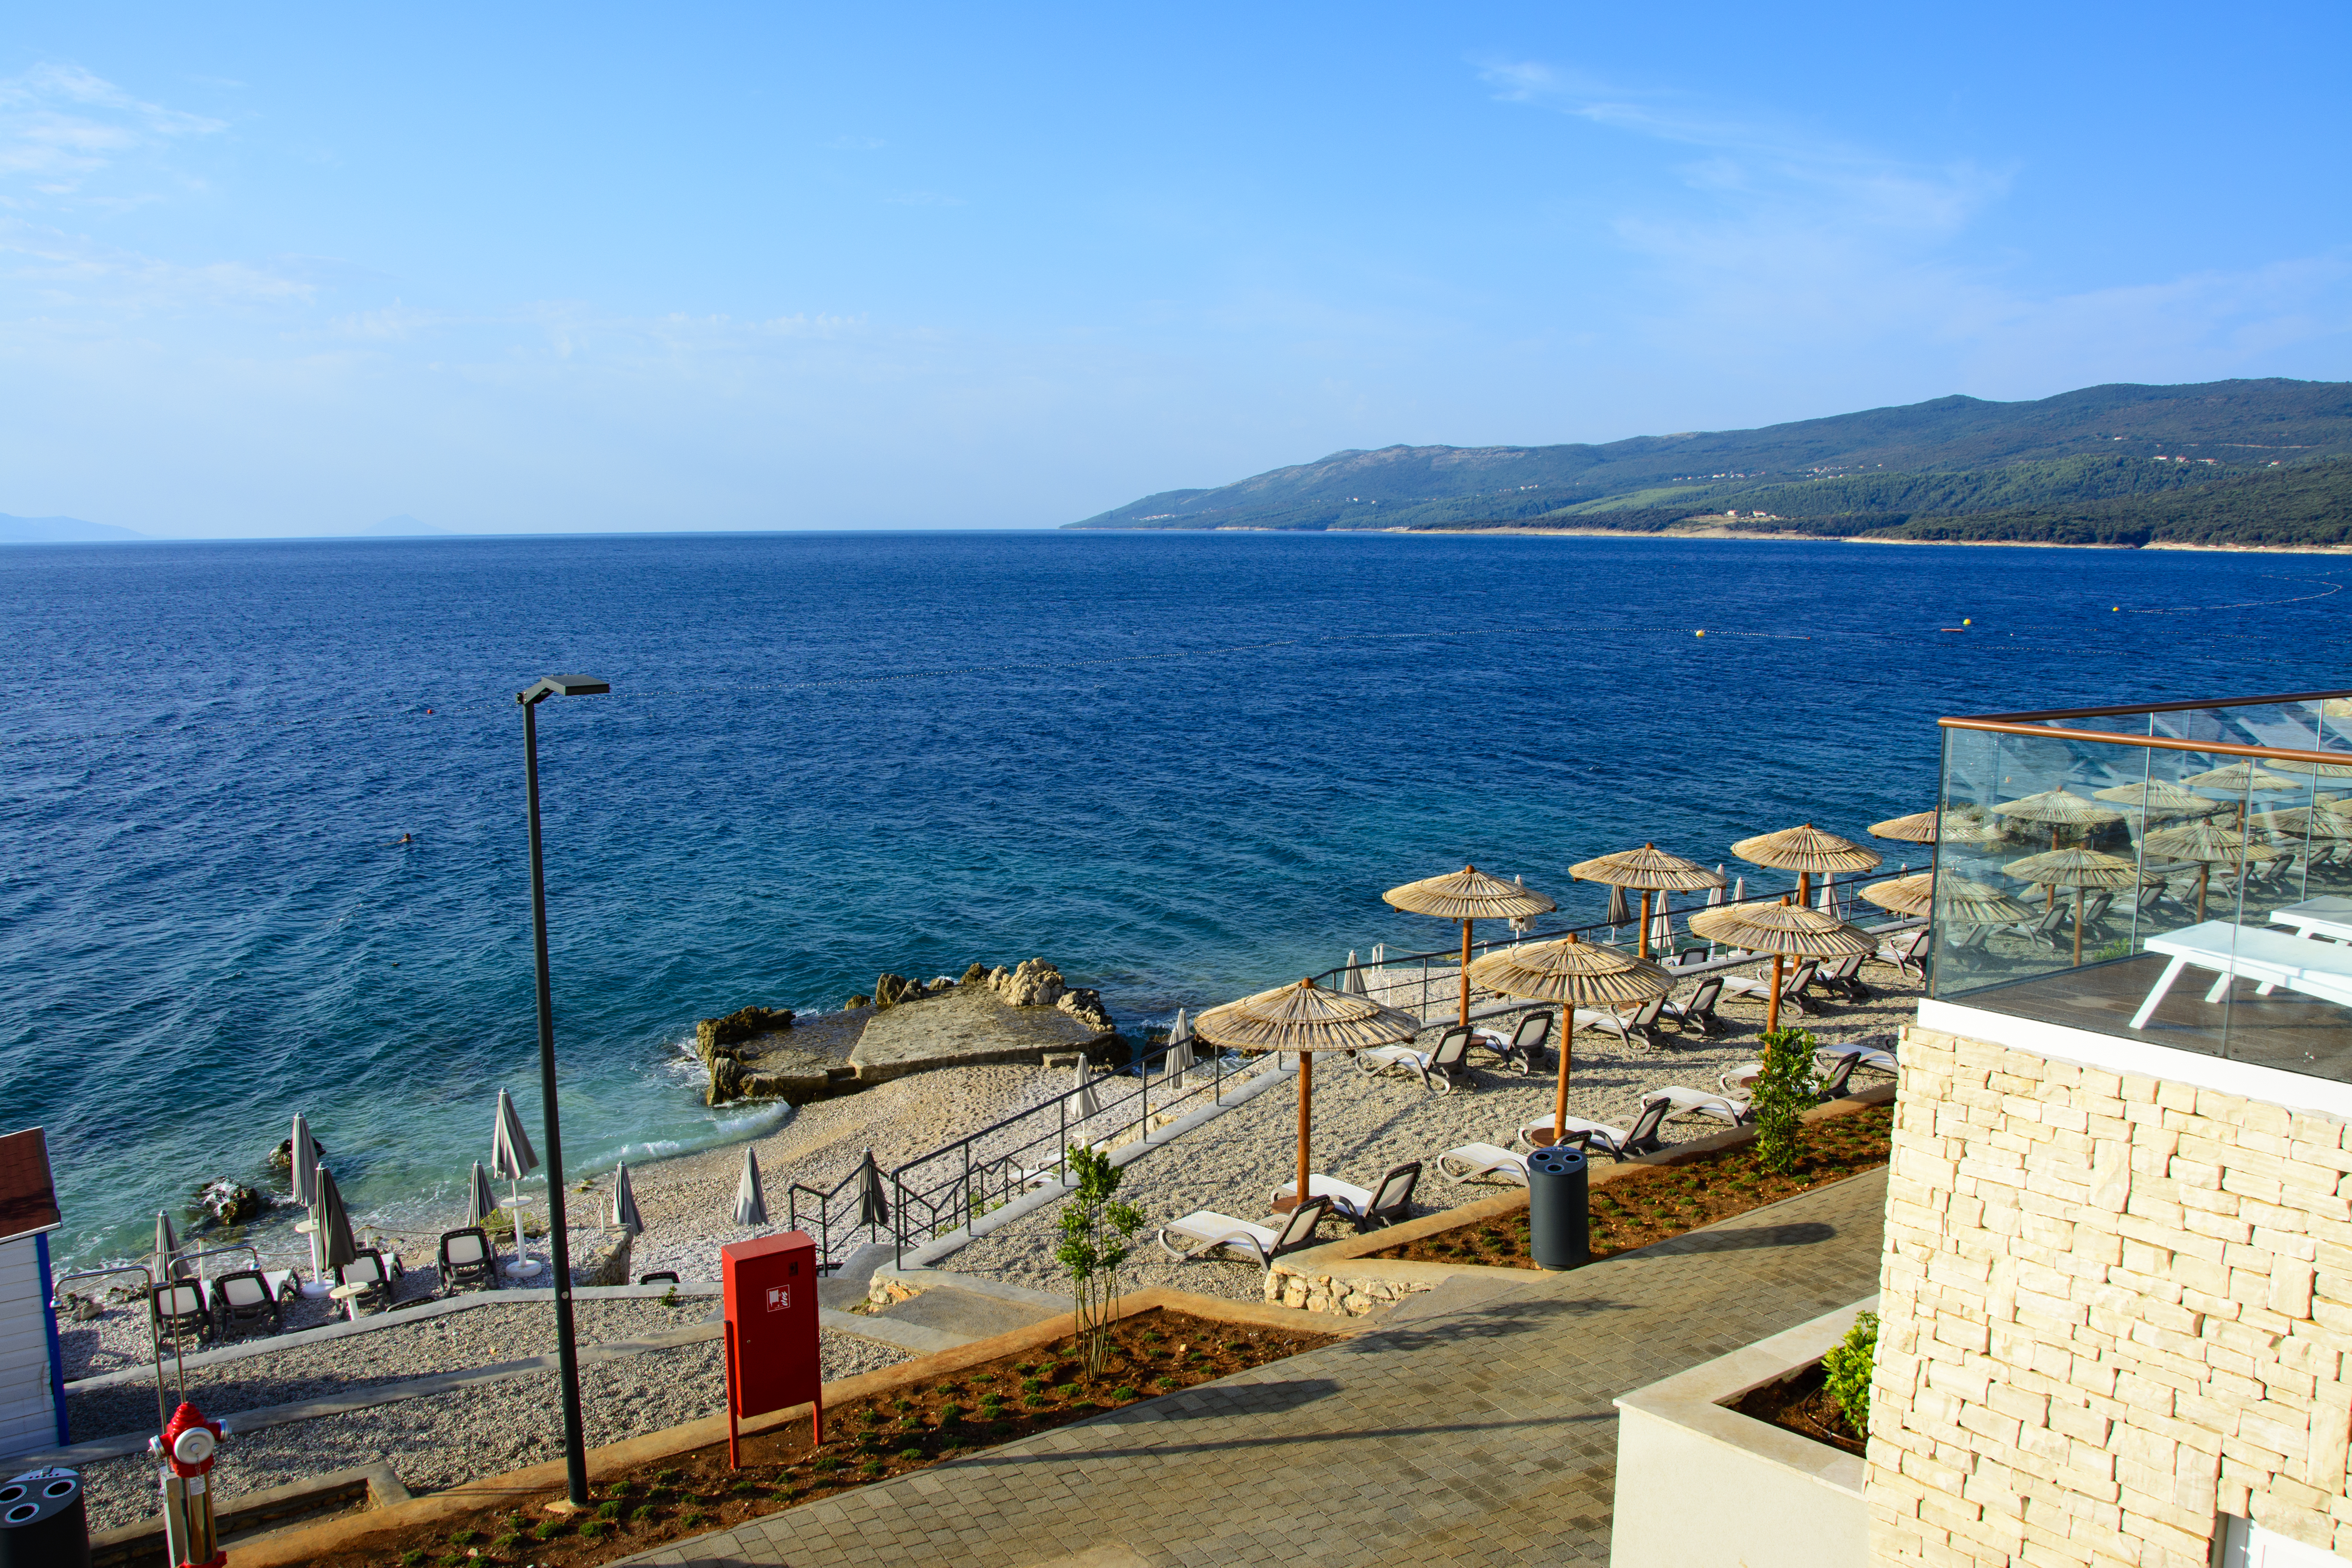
pixel 889 990
pixel 230 1203
pixel 282 1157
pixel 977 975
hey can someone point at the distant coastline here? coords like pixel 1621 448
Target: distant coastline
pixel 1835 539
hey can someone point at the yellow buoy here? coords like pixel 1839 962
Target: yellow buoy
pixel 1966 622
pixel 1698 634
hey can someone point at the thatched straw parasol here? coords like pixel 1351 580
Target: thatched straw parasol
pixel 1572 973
pixel 2306 822
pixel 1913 895
pixel 1925 827
pixel 2306 770
pixel 1781 930
pixel 2157 798
pixel 1467 895
pixel 2059 809
pixel 2209 846
pixel 1804 850
pixel 2076 868
pixel 1306 1018
pixel 2241 777
pixel 1649 869
pixel 1978 903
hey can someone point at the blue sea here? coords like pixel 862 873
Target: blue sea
pixel 1182 766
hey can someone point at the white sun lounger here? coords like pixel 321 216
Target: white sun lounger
pixel 1472 1161
pixel 1206 1231
pixel 2269 958
pixel 1681 1101
pixel 1617 1144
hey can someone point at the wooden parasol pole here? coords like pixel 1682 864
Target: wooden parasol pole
pixel 2204 869
pixel 1567 1033
pixel 1642 941
pixel 1772 1007
pixel 2078 926
pixel 1465 987
pixel 1306 1103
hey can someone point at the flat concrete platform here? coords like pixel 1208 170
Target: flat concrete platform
pixel 1474 1425
pixel 968 1026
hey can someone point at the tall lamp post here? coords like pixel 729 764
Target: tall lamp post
pixel 567 1356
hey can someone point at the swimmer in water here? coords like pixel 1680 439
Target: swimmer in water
pixel 404 838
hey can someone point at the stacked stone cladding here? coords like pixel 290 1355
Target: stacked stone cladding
pixel 2113 1307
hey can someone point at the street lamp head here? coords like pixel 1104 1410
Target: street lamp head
pixel 563 686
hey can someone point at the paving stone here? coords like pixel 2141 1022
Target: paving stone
pixel 1478 1431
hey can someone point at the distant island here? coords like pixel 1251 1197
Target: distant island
pixel 60 530
pixel 2262 464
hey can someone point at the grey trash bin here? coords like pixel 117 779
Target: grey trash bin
pixel 1557 1216
pixel 42 1522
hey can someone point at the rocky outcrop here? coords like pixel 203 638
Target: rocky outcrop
pixel 1086 1006
pixel 744 1023
pixel 1341 1296
pixel 282 1157
pixel 1034 983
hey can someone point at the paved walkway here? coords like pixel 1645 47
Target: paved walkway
pixel 1473 1427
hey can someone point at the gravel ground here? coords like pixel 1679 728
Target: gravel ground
pixel 437 1443
pixel 1364 1125
pixel 481 1337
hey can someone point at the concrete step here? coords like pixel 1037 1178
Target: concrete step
pixel 946 1308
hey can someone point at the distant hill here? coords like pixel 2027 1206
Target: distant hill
pixel 1851 473
pixel 58 531
pixel 2305 505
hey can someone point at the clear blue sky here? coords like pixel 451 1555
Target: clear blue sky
pixel 518 267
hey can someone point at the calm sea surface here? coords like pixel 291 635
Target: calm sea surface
pixel 1184 766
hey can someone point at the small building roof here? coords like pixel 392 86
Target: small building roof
pixel 28 1197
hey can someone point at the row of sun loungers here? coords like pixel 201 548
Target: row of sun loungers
pixel 1204 1232
pixel 246 1299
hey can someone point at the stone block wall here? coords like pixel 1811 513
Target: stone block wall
pixel 2112 1308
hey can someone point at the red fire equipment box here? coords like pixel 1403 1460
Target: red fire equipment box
pixel 772 1347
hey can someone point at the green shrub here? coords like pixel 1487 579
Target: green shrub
pixel 910 1455
pixel 412 1558
pixel 1788 1086
pixel 464 1537
pixel 592 1529
pixel 871 1469
pixel 642 1512
pixel 693 1518
pixel 452 1560
pixel 666 1477
pixel 508 1541
pixel 746 1488
pixel 1846 1371
pixel 827 1466
pixel 1124 1392
pixel 547 1529
pixel 950 1413
pixel 608 1510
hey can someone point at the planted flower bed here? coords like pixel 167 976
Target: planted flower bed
pixel 1655 1202
pixel 867 1439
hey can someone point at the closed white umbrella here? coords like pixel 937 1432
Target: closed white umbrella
pixel 342 1248
pixel 513 1157
pixel 1178 1058
pixel 750 1202
pixel 1085 1103
pixel 872 1205
pixel 167 1264
pixel 302 1156
pixel 1829 892
pixel 1739 890
pixel 1662 926
pixel 480 1202
pixel 625 1204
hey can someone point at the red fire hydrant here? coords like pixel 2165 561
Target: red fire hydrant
pixel 186 1449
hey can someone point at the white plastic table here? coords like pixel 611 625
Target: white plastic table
pixel 2328 916
pixel 2270 958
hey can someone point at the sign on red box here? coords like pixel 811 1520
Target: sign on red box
pixel 773 1363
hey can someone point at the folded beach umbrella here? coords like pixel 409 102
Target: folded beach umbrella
pixel 513 1157
pixel 1661 925
pixel 1521 924
pixel 873 1205
pixel 750 1202
pixel 1651 870
pixel 1306 1018
pixel 302 1158
pixel 335 1221
pixel 1085 1103
pixel 1180 1031
pixel 480 1202
pixel 1177 1060
pixel 1739 890
pixel 1783 930
pixel 624 1203
pixel 1466 896
pixel 167 1264
pixel 2078 869
pixel 1829 892
pixel 1571 973
pixel 1621 913
pixel 1353 980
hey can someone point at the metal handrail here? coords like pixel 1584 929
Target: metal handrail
pixel 2116 712
pixel 154 1331
pixel 2150 743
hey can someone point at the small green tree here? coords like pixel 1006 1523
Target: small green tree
pixel 1845 1372
pixel 1094 1234
pixel 1788 1086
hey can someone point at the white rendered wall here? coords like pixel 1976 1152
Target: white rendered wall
pixel 28 1417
